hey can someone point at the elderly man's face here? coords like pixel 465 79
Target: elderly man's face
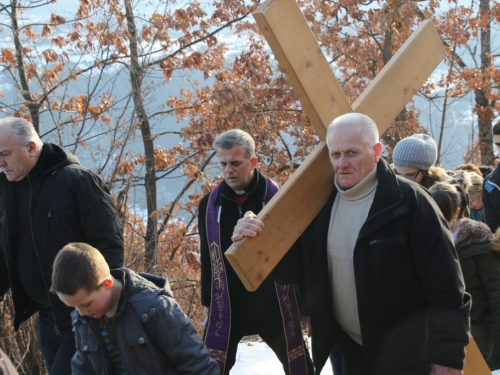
pixel 15 160
pixel 351 158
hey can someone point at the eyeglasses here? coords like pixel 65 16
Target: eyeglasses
pixel 410 176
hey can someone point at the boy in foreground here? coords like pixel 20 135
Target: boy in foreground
pixel 125 322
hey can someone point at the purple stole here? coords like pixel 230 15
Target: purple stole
pixel 219 320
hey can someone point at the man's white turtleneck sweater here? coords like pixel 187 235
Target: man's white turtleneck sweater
pixel 349 213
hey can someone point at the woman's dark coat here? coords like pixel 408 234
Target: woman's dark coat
pixel 481 270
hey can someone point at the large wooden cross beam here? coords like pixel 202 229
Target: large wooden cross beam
pixel 301 198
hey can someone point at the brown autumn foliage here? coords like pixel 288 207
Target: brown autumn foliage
pixel 140 92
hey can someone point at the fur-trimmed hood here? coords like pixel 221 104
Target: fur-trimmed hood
pixel 475 233
pixel 495 241
pixel 471 232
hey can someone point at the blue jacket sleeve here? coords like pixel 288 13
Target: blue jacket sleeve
pixel 491 202
pixel 177 338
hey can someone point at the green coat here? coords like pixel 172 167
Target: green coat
pixel 481 270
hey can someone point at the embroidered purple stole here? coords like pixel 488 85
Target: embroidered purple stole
pixel 219 320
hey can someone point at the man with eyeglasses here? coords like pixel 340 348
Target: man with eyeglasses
pixel 491 189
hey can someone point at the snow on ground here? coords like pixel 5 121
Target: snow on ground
pixel 256 358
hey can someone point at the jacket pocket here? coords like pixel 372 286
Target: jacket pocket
pixel 56 211
pixel 88 358
pixel 479 310
pixel 142 356
pixel 404 347
pixel 386 241
pixel 87 344
pixel 387 262
pixel 137 338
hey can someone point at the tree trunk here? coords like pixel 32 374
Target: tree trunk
pixel 483 108
pixel 140 112
pixel 25 90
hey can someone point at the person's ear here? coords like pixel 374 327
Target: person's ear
pixel 378 151
pixel 108 283
pixel 253 162
pixel 32 148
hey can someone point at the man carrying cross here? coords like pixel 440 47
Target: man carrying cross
pixel 233 312
pixel 381 274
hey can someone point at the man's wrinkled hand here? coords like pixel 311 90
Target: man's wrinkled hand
pixel 247 226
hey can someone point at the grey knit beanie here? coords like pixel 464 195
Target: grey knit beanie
pixel 418 151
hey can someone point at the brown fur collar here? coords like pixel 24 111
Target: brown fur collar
pixel 471 232
pixel 495 241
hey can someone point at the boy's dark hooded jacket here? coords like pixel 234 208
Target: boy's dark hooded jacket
pixel 152 333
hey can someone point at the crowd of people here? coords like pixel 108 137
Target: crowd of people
pixel 459 195
pixel 395 272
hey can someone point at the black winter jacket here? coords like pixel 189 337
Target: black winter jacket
pixel 412 306
pixel 152 333
pixel 480 265
pixel 68 203
pixel 491 199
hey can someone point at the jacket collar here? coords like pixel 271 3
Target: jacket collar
pixel 473 238
pixel 257 186
pixel 388 203
pixel 142 290
pixel 52 159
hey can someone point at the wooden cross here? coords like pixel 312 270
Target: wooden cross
pixel 301 198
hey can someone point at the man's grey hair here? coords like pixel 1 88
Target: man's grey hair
pixel 23 131
pixel 236 137
pixel 369 135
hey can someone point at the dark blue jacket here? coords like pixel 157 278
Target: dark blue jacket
pixel 152 333
pixel 491 199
